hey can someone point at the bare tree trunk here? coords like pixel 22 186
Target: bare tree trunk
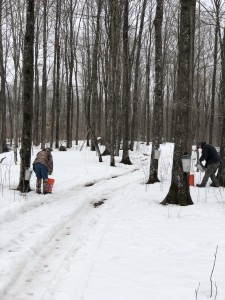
pixel 221 171
pixel 179 192
pixel 148 82
pixel 126 86
pixel 114 37
pixel 44 77
pixel 3 146
pixel 70 82
pixel 17 44
pixel 158 104
pixel 191 78
pixel 134 125
pixel 28 74
pixel 36 130
pixel 212 104
pixel 96 113
pixel 57 71
pixel 78 101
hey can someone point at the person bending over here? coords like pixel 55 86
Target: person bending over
pixel 43 166
pixel 212 162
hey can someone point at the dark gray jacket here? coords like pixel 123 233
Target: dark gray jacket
pixel 209 154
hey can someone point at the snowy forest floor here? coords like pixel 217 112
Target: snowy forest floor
pixel 102 234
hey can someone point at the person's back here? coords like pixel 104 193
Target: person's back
pixel 44 157
pixel 43 165
pixel 209 154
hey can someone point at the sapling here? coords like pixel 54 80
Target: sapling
pixel 196 291
pixel 214 263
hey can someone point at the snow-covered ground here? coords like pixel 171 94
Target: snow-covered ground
pixel 65 246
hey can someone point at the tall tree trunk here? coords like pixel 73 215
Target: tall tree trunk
pixel 114 37
pixel 28 74
pixel 221 171
pixel 3 146
pixel 148 82
pixel 16 59
pixel 212 103
pixel 158 103
pixel 191 78
pixel 70 82
pixel 179 192
pixel 126 86
pixel 57 72
pixel 96 113
pixel 36 127
pixel 44 77
pixel 134 125
pixel 78 101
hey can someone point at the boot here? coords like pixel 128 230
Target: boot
pixel 45 186
pixel 214 185
pixel 200 185
pixel 38 186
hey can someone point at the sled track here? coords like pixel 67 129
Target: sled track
pixel 52 236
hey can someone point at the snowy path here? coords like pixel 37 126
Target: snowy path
pixel 65 226
pixel 60 247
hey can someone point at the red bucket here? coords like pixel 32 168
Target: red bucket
pixel 191 180
pixel 51 182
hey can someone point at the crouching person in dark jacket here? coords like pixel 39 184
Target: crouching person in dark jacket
pixel 43 165
pixel 212 159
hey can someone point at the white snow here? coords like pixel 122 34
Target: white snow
pixel 61 247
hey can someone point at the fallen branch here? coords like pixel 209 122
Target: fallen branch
pixel 2 160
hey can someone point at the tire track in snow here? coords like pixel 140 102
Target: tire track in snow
pixel 8 240
pixel 10 215
pixel 44 232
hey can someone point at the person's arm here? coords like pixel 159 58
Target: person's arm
pixel 205 154
pixel 50 164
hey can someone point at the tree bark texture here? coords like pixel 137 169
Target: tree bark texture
pixel 44 77
pixel 3 146
pixel 134 125
pixel 158 103
pixel 28 75
pixel 57 72
pixel 221 171
pixel 126 86
pixel 70 82
pixel 179 192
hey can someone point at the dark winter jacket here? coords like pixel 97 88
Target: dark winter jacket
pixel 44 157
pixel 209 154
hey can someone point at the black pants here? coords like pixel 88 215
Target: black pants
pixel 210 172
